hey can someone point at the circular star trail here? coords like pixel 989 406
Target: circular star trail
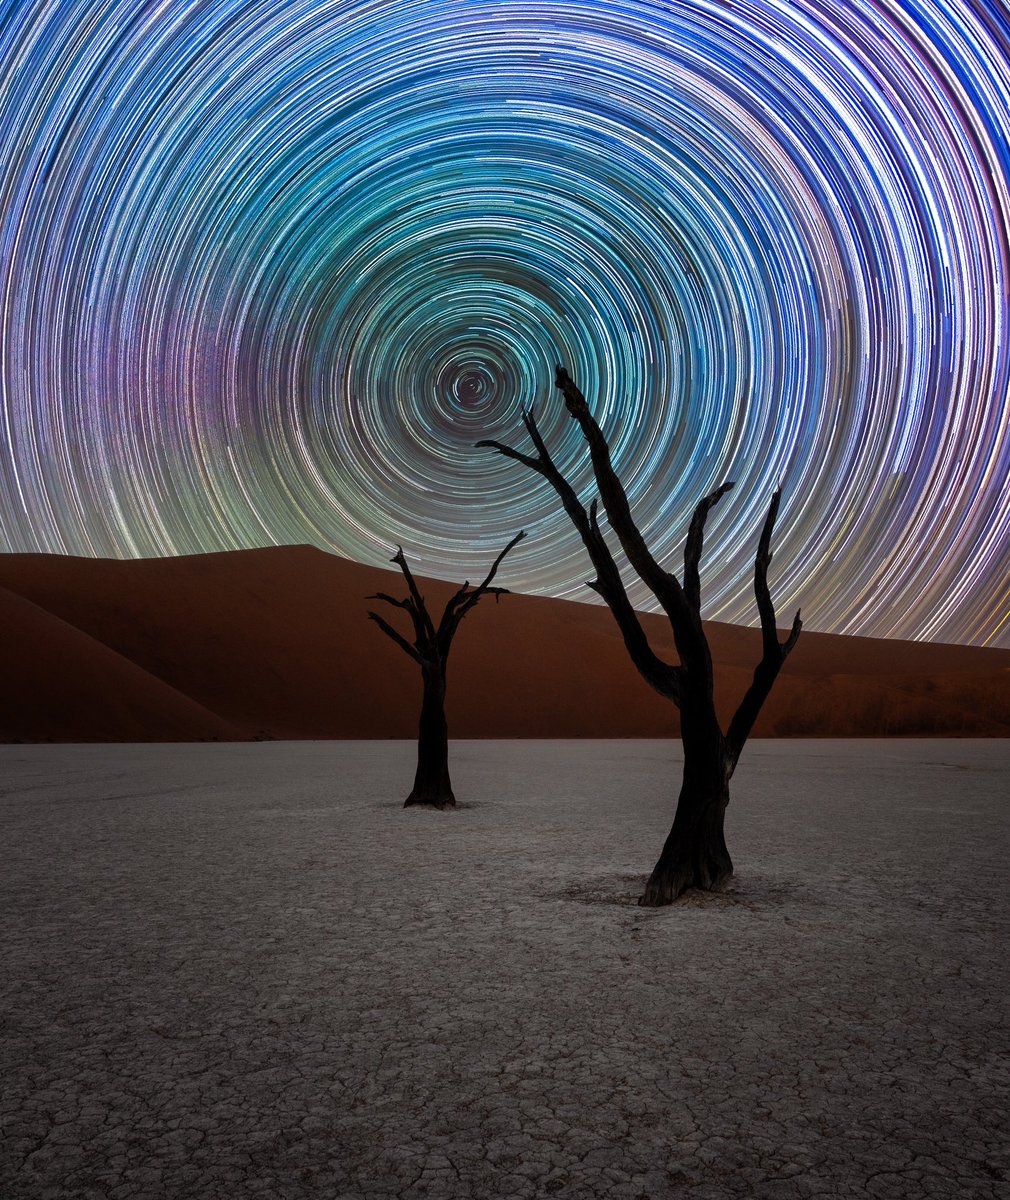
pixel 269 271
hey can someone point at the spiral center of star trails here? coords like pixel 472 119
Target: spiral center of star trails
pixel 473 388
pixel 267 273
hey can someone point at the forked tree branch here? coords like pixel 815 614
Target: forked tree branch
pixel 693 546
pixel 527 461
pixel 389 600
pixel 409 606
pixel 464 600
pixel 400 640
pixel 485 586
pixel 663 677
pixel 761 592
pixel 544 465
pixel 663 584
pixel 418 610
pixel 682 604
pixel 431 648
pixel 775 652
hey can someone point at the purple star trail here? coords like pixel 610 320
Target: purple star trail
pixel 268 271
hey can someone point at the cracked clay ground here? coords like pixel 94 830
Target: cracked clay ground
pixel 244 971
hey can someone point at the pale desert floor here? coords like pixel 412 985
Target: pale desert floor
pixel 237 971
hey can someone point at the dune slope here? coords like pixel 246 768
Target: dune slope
pixel 61 684
pixel 275 643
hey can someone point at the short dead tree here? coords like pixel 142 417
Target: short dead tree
pixel 695 853
pixel 430 650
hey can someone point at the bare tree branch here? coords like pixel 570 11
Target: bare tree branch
pixel 419 609
pixel 400 640
pixel 485 586
pixel 693 546
pixel 509 452
pixel 664 677
pixel 461 603
pixel 794 635
pixel 762 561
pixel 665 586
pixel 389 599
pixel 775 653
pixel 544 465
pixel 409 607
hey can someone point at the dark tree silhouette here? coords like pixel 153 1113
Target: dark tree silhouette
pixel 695 853
pixel 430 650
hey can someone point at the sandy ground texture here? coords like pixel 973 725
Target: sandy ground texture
pixel 245 971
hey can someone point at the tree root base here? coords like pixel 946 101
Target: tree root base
pixel 439 802
pixel 667 884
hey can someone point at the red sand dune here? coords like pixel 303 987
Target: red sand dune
pixel 275 643
pixel 60 683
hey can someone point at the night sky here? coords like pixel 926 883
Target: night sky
pixel 268 271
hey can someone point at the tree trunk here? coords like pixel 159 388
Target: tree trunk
pixel 431 781
pixel 695 853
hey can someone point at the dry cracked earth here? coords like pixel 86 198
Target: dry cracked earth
pixel 245 971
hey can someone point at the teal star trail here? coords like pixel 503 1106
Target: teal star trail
pixel 268 271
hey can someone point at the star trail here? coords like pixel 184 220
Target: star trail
pixel 269 271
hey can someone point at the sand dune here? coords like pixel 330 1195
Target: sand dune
pixel 275 643
pixel 61 684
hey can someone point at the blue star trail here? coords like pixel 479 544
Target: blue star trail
pixel 268 271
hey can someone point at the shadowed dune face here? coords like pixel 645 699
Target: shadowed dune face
pixel 275 642
pixel 61 684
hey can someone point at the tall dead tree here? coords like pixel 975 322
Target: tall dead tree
pixel 695 853
pixel 430 650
